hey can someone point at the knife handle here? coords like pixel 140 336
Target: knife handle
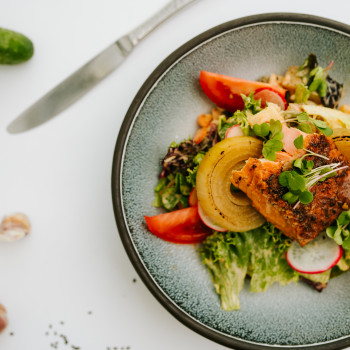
pixel 144 29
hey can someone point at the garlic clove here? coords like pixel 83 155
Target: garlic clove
pixel 14 227
pixel 3 318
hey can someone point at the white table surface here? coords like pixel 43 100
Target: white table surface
pixel 71 276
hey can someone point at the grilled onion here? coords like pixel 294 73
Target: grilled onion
pixel 228 209
pixel 341 138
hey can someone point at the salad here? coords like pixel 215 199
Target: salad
pixel 263 187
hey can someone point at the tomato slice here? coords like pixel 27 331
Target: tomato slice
pixel 179 226
pixel 225 91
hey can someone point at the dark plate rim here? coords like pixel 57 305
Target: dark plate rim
pixel 180 315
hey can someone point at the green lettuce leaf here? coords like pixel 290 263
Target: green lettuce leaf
pixel 227 260
pixel 323 277
pixel 267 263
pixel 259 253
pixel 192 172
pixel 343 264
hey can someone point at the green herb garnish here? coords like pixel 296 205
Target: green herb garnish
pixel 302 177
pixel 318 81
pixel 296 185
pixel 315 78
pixel 305 122
pixel 299 144
pixel 272 135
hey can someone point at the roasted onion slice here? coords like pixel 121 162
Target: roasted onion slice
pixel 228 209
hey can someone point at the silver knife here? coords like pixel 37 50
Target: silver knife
pixel 85 78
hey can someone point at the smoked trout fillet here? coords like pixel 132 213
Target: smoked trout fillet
pixel 259 180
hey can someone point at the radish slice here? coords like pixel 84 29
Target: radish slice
pixel 233 131
pixel 208 222
pixel 318 256
pixel 192 199
pixel 270 95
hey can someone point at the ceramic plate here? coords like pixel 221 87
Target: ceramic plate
pixel 165 110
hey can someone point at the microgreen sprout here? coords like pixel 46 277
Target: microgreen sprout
pixel 325 174
pixel 303 176
pixel 296 184
pixel 272 135
pixel 305 122
pixel 299 181
pixel 299 144
pixel 339 231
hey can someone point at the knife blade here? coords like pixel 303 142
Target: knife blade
pixel 85 78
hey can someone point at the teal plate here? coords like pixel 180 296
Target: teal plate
pixel 165 110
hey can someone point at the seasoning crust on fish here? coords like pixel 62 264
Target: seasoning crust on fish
pixel 259 180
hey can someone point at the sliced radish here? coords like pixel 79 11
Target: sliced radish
pixel 270 95
pixel 208 222
pixel 318 256
pixel 192 199
pixel 234 130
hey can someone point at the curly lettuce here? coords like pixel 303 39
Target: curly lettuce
pixel 251 106
pixel 339 231
pixel 267 261
pixel 232 256
pixel 227 259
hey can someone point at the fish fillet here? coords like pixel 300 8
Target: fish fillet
pixel 259 180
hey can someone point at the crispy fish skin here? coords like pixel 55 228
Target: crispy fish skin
pixel 259 180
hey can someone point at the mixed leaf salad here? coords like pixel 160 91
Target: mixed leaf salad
pixel 243 244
